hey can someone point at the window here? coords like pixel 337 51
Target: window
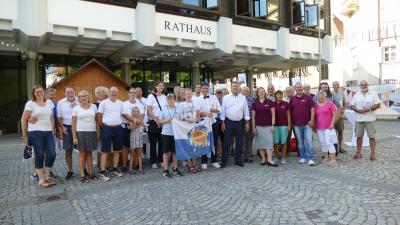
pixel 242 7
pixel 305 13
pixel 390 54
pixel 263 9
pixel 259 8
pixel 324 72
pixel 211 3
pixel 191 2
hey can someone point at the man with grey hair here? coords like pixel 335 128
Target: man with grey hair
pixel 64 121
pixel 109 118
pixel 248 135
pixel 271 92
pixel 307 90
pixel 364 103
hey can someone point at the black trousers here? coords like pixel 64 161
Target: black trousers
pixel 156 154
pixel 233 129
pixel 216 127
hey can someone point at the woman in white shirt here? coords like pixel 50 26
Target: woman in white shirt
pixel 155 102
pixel 40 133
pixel 85 133
pixel 189 113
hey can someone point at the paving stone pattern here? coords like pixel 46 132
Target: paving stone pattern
pixel 354 192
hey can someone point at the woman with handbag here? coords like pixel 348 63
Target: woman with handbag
pixel 40 133
pixel 155 102
pixel 325 117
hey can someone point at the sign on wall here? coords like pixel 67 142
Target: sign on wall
pixel 186 28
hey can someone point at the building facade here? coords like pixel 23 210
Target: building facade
pixel 180 42
pixel 366 42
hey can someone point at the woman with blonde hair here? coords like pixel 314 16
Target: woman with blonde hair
pixel 101 94
pixel 85 133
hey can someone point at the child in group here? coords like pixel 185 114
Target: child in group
pixel 167 136
pixel 136 139
pixel 189 113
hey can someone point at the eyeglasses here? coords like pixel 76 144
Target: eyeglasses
pixel 83 95
pixel 132 92
pixel 363 84
pixel 170 95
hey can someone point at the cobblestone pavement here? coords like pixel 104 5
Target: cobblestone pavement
pixel 354 192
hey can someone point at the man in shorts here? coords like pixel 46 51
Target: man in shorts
pixel 64 119
pixel 109 118
pixel 364 103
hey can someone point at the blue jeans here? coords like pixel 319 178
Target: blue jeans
pixel 43 144
pixel 304 141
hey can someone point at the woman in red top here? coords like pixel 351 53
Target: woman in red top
pixel 263 119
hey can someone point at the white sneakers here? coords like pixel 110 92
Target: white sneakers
pixel 216 165
pixel 154 166
pixel 310 162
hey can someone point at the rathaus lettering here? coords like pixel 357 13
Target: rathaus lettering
pixel 188 28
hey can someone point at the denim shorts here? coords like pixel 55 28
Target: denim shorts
pixel 112 135
pixel 67 139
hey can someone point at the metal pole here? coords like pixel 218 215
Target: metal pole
pixel 380 40
pixel 319 43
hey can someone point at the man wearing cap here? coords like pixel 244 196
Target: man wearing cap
pixel 235 120
pixel 209 106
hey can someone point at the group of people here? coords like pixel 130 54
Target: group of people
pixel 268 120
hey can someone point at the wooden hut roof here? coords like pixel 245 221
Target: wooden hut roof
pixel 92 61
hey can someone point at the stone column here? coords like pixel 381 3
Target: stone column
pixel 32 71
pixel 249 80
pixel 126 70
pixel 195 74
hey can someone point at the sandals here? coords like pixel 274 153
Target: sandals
pixel 194 169
pixel 47 183
pixel 357 155
pixel 84 180
pixel 372 157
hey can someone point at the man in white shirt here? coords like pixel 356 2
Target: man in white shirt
pixel 235 120
pixel 128 105
pixel 64 118
pixel 209 107
pixel 364 103
pixel 109 118
pixel 197 92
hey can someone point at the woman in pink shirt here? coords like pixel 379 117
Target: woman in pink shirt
pixel 325 117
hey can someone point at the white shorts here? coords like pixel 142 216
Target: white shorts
pixel 326 140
